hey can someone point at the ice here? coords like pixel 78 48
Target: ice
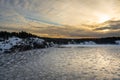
pixel 83 45
pixel 76 63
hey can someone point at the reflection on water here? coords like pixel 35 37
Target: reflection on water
pixel 93 63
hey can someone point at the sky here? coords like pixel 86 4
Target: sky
pixel 61 18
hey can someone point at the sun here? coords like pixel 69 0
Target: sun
pixel 103 18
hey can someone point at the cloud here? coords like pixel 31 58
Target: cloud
pixel 54 31
pixel 63 11
pixel 44 21
pixel 66 18
pixel 112 25
pixel 115 27
pixel 4 28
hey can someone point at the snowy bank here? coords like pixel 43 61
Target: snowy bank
pixel 117 42
pixel 87 44
pixel 15 42
pixel 8 44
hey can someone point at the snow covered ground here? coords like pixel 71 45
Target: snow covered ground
pixel 76 63
pixel 6 45
pixel 118 42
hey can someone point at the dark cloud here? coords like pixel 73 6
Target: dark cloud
pixel 113 25
pixel 57 31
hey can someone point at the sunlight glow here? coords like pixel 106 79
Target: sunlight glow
pixel 106 30
pixel 103 18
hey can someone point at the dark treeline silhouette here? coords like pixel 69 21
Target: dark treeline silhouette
pixel 22 34
pixel 108 40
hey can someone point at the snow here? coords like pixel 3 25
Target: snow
pixel 82 44
pixel 88 43
pixel 117 42
pixel 14 41
pixel 98 63
pixel 6 45
pixel 37 40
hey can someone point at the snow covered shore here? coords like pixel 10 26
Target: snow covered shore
pixel 14 42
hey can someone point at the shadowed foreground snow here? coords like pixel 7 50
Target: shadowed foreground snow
pixel 76 63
